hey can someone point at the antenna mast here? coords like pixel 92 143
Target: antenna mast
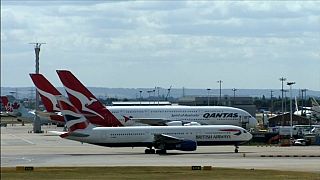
pixel 36 122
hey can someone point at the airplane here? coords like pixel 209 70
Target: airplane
pixel 162 138
pixel 86 102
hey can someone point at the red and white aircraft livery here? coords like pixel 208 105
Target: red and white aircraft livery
pixel 5 104
pixel 86 102
pixel 10 107
pixel 162 138
pixel 16 109
pixel 48 95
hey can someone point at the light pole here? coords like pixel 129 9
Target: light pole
pixel 208 96
pixel 290 84
pixel 158 96
pixel 234 95
pixel 140 96
pixel 285 100
pixel 219 91
pixel 149 95
pixel 282 79
pixel 271 108
pixel 304 96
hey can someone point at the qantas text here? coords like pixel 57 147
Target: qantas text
pixel 219 115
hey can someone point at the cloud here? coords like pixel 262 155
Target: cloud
pixel 167 38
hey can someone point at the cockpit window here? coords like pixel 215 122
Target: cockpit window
pixel 244 131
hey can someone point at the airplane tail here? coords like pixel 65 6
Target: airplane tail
pixel 13 108
pixel 86 102
pixel 47 92
pixel 73 118
pixel 5 102
pixel 18 110
pixel 48 95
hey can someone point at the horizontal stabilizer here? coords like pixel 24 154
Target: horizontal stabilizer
pixel 73 134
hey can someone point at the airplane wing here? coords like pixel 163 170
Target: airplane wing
pixel 167 139
pixel 159 121
pixel 64 134
pixel 45 114
pixel 164 141
pixel 151 121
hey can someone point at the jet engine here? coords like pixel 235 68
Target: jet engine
pixel 187 145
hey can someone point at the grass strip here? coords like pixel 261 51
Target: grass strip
pixel 152 172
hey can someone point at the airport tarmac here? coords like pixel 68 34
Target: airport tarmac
pixel 20 148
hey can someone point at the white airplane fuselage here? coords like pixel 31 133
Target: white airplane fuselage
pixel 143 136
pixel 206 115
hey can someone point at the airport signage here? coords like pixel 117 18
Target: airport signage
pixel 196 167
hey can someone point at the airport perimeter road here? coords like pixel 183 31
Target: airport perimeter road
pixel 20 148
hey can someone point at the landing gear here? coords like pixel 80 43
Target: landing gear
pixel 161 151
pixel 236 150
pixel 149 151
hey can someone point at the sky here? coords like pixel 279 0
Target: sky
pixel 142 44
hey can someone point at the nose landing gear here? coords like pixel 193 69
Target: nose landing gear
pixel 236 150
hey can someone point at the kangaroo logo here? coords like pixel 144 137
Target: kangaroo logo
pixel 51 97
pixel 84 100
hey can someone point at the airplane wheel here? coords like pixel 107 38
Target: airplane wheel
pixel 236 150
pixel 152 151
pixel 147 151
pixel 161 151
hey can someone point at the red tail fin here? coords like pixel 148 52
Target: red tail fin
pixel 47 92
pixel 86 102
pixel 4 101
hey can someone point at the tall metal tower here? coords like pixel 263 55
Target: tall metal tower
pixel 36 122
pixel 282 79
pixel 290 84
